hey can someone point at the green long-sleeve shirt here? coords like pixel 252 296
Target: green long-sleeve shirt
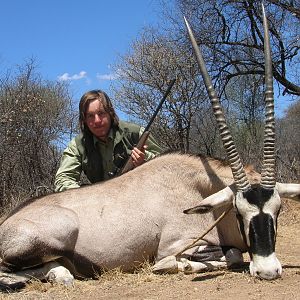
pixel 98 160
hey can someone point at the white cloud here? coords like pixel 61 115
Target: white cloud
pixel 67 76
pixel 111 76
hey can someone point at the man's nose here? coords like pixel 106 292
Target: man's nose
pixel 97 119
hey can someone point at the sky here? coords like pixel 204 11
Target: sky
pixel 72 40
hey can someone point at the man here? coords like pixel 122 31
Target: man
pixel 103 146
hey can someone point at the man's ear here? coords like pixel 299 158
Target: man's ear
pixel 221 198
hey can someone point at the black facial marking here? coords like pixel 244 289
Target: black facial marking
pixel 262 235
pixel 242 229
pixel 258 195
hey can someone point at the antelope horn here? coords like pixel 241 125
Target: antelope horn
pixel 236 166
pixel 268 165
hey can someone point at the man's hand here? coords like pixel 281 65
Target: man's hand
pixel 138 156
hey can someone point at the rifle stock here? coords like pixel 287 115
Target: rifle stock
pixel 129 164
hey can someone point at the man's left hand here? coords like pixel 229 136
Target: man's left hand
pixel 138 156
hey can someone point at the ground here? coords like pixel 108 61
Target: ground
pixel 235 284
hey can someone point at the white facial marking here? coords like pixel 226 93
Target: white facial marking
pixel 272 206
pixel 265 267
pixel 247 211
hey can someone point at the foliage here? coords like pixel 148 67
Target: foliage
pixel 231 33
pixel 231 37
pixel 35 116
pixel 144 75
pixel 288 154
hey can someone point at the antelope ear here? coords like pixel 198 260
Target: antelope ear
pixel 213 201
pixel 289 190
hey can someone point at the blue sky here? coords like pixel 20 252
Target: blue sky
pixel 75 40
pixel 72 40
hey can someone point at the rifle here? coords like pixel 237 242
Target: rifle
pixel 129 164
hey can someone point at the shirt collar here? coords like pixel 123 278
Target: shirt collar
pixel 110 137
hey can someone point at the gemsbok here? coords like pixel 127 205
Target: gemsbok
pixel 139 215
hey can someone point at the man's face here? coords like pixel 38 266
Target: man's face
pixel 98 120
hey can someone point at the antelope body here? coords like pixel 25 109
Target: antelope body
pixel 98 227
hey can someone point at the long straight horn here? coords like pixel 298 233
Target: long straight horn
pixel 237 169
pixel 268 166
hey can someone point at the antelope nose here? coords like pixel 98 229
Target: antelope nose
pixel 268 268
pixel 269 275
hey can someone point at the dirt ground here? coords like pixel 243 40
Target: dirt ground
pixel 235 284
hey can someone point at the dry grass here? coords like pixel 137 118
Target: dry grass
pixel 143 284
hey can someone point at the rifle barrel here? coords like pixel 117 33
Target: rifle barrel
pixel 160 104
pixel 129 164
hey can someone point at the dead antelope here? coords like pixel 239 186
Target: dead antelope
pixel 139 216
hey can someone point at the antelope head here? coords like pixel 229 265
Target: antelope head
pixel 257 206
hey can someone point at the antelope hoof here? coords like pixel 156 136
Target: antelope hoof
pixel 10 281
pixel 167 265
pixel 234 257
pixel 60 275
pixel 190 267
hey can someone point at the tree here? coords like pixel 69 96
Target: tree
pixel 232 35
pixel 35 115
pixel 288 132
pixel 231 38
pixel 144 75
pixel 246 115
